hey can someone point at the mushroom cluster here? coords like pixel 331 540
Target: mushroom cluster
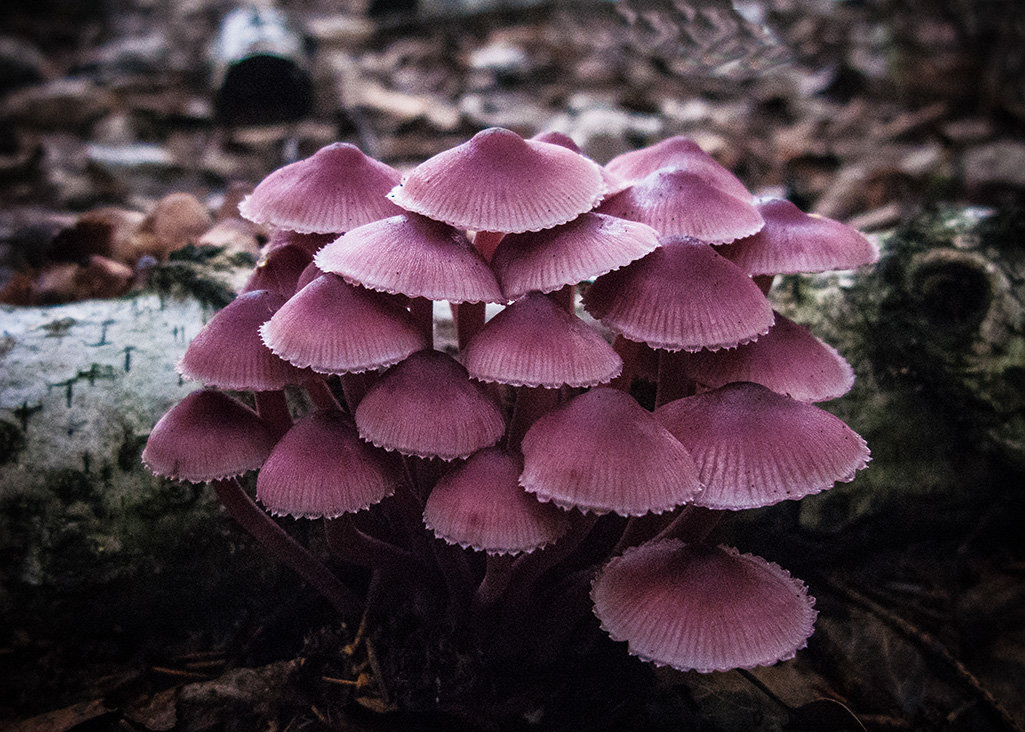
pixel 521 457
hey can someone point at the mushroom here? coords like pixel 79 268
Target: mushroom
pixel 702 608
pixel 303 479
pixel 480 505
pixel 788 359
pixel 683 203
pixel 792 242
pixel 427 406
pixel 602 452
pixel 754 448
pixel 499 182
pixel 207 436
pixel 588 246
pixel 681 296
pixel 676 153
pixel 336 189
pixel 331 326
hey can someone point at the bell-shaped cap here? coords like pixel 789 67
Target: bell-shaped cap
pixel 415 256
pixel 683 295
pixel 788 359
pixel 534 342
pixel 613 184
pixel 499 182
pixel 336 189
pixel 480 505
pixel 278 270
pixel 754 447
pixel 601 451
pixel 588 246
pixel 427 406
pixel 333 327
pixel 321 468
pixel 702 608
pixel 228 352
pixel 676 153
pixel 792 241
pixel 207 436
pixel 682 203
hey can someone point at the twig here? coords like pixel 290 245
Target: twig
pixel 930 644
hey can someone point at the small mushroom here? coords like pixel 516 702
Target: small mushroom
pixel 303 479
pixel 681 296
pixel 683 203
pixel 702 608
pixel 788 359
pixel 601 452
pixel 676 153
pixel 754 447
pixel 534 342
pixel 588 246
pixel 228 353
pixel 333 327
pixel 336 189
pixel 427 406
pixel 499 182
pixel 207 436
pixel 412 255
pixel 480 505
pixel 792 242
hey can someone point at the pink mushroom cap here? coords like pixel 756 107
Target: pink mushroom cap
pixel 333 327
pixel 754 447
pixel 336 189
pixel 480 505
pixel 682 296
pixel 415 256
pixel 321 468
pixel 676 153
pixel 702 608
pixel 588 246
pixel 601 451
pixel 278 270
pixel 788 359
pixel 427 406
pixel 683 203
pixel 793 241
pixel 499 182
pixel 613 184
pixel 534 342
pixel 229 354
pixel 207 436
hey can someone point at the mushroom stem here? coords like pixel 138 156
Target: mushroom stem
pixel 693 525
pixel 531 403
pixel 496 578
pixel 355 387
pixel 290 552
pixel 639 529
pixel 566 298
pixel 764 282
pixel 673 384
pixel 320 393
pixel 469 317
pixel 527 569
pixel 630 352
pixel 486 242
pixel 422 311
pixel 352 545
pixel 273 410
